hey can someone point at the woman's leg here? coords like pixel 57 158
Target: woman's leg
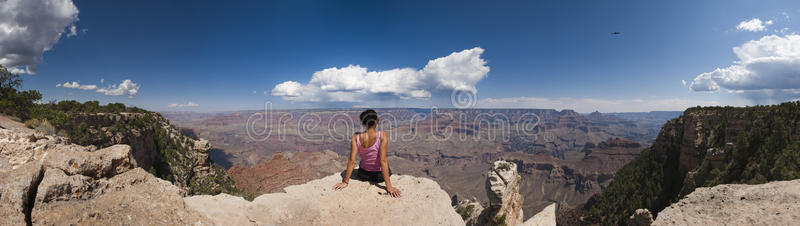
pixel 379 176
pixel 370 176
pixel 363 175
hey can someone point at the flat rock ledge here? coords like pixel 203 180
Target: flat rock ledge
pixel 316 203
pixel 546 217
pixel 774 203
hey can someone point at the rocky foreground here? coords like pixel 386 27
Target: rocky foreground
pixel 315 203
pixel 46 180
pixel 774 203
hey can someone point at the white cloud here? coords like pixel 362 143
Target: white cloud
pixel 125 88
pixel 586 105
pixel 190 104
pixel 102 80
pixel 459 70
pixel 75 85
pixel 767 69
pixel 753 25
pixel 28 28
pixel 73 31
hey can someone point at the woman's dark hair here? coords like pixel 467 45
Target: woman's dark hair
pixel 369 118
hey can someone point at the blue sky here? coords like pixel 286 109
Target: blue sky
pixel 539 54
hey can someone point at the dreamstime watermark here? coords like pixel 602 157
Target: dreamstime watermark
pixel 463 98
pixel 462 122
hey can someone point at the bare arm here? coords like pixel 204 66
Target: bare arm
pixel 384 162
pixel 394 192
pixel 350 164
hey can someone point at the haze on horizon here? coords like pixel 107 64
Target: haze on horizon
pixel 608 56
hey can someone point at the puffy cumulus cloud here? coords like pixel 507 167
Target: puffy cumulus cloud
pixel 586 105
pixel 190 104
pixel 457 71
pixel 76 85
pixel 127 87
pixel 288 89
pixel 753 25
pixel 30 27
pixel 768 68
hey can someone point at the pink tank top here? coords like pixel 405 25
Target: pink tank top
pixel 369 156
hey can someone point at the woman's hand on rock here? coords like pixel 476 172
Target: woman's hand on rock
pixel 394 192
pixel 340 186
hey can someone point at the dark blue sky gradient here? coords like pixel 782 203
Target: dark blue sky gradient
pixel 215 53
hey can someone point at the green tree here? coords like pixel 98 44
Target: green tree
pixel 13 102
pixel 9 82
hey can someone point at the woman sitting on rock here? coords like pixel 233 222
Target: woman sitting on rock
pixel 371 144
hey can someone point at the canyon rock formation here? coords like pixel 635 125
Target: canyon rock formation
pixel 46 180
pixel 157 147
pixel 505 201
pixel 704 147
pixel 286 169
pixel 641 217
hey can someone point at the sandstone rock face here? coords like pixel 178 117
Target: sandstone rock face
pixel 774 203
pixel 44 180
pixel 158 147
pixel 7 123
pixel 505 202
pixel 16 188
pixel 58 186
pixel 22 153
pixel 141 139
pixel 642 217
pixel 222 209
pixel 105 162
pixel 547 217
pixel 470 211
pixel 18 147
pixel 315 203
pixel 131 198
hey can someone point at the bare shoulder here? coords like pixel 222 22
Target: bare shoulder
pixel 383 135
